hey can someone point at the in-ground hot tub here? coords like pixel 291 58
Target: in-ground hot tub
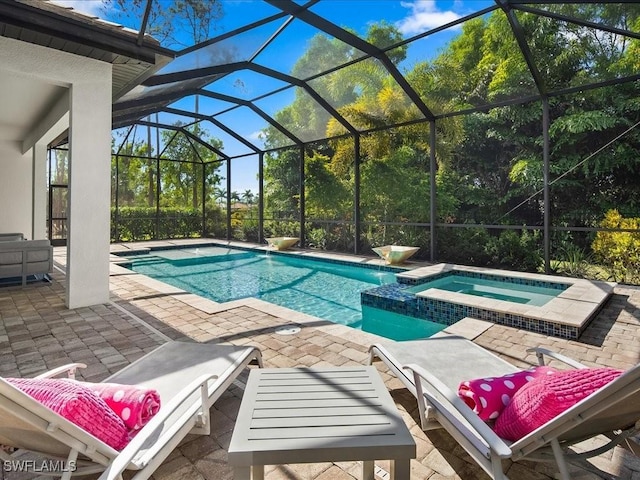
pixel 497 288
pixel 446 293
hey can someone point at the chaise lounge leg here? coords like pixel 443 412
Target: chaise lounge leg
pixel 563 468
pixel 371 357
pixel 69 467
pixel 496 467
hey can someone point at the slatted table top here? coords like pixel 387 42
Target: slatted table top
pixel 306 415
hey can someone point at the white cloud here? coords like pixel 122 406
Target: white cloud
pixel 257 136
pixel 424 16
pixel 90 7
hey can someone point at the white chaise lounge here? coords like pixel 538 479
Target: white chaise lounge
pixel 432 369
pixel 189 377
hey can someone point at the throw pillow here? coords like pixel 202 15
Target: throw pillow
pixel 544 398
pixel 489 396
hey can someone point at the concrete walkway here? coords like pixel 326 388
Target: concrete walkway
pixel 37 333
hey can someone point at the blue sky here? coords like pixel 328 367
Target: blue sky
pixel 410 16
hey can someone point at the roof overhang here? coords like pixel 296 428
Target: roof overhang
pixel 134 56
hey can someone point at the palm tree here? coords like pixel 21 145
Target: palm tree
pixel 247 197
pixel 220 194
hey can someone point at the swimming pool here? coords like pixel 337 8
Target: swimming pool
pixel 327 290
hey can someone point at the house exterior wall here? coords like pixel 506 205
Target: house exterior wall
pixel 15 189
pixel 88 112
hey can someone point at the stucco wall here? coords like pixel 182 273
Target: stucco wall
pixel 15 189
pixel 88 103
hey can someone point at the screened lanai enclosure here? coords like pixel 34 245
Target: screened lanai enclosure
pixel 492 133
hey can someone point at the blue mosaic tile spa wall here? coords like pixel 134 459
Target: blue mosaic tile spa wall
pixel 395 298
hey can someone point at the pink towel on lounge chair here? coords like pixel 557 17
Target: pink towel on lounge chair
pixel 489 396
pixel 78 404
pixel 135 405
pixel 544 398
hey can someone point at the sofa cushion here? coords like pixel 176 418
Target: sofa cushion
pixel 37 256
pixel 10 257
pixel 11 237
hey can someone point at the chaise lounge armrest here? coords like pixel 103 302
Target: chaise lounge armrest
pixel 541 352
pixel 449 410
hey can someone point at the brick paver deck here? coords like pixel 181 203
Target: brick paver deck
pixel 37 332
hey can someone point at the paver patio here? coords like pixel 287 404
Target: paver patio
pixel 37 332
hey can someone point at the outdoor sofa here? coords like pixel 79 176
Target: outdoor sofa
pixel 21 258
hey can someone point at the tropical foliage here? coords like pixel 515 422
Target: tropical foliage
pixel 488 164
pixel 619 248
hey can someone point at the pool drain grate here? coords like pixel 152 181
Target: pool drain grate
pixel 288 330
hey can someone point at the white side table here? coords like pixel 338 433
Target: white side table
pixel 311 415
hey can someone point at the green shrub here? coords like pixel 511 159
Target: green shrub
pixel 465 246
pixel 215 222
pixel 575 262
pixel 619 251
pixel 140 223
pixel 317 238
pixel 281 228
pixel 516 251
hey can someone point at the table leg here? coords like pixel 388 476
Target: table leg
pixel 241 473
pixel 401 469
pixel 258 472
pixel 368 468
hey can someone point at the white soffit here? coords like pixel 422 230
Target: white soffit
pixel 25 101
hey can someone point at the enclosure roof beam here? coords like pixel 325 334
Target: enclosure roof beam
pixel 217 123
pixel 217 151
pixel 518 33
pixel 201 72
pixel 349 38
pixel 143 25
pixel 258 111
pixel 577 21
pixel 307 88
pixel 232 33
pixel 246 65
pixel 153 99
pixel 187 133
pixel 129 118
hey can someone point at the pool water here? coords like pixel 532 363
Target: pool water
pixel 327 290
pixel 397 326
pixel 498 290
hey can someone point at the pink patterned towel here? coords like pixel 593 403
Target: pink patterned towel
pixel 135 405
pixel 544 398
pixel 489 396
pixel 78 404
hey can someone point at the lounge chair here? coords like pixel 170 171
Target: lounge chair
pixel 432 369
pixel 189 377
